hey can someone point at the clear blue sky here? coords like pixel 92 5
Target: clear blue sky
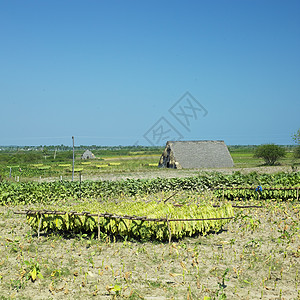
pixel 108 71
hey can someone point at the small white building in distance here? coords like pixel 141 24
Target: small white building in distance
pixel 88 155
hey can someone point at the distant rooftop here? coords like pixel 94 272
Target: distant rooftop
pixel 196 154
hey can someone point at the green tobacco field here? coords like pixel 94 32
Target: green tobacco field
pixel 129 230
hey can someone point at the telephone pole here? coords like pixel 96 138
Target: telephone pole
pixel 73 159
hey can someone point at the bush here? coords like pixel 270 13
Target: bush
pixel 270 153
pixel 296 137
pixel 297 152
pixel 1 175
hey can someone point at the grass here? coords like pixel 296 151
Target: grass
pixel 132 162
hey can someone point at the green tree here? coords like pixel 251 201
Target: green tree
pixel 45 151
pixel 270 153
pixel 296 138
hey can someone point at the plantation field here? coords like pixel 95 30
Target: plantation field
pixel 255 256
pixel 111 249
pixel 118 164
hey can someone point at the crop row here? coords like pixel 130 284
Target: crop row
pixel 47 192
pixel 280 192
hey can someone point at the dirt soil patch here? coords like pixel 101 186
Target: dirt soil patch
pixel 256 256
pixel 170 173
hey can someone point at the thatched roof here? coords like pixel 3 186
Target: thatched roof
pixel 196 154
pixel 88 155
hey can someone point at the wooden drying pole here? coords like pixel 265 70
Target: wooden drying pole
pixel 41 213
pixel 73 159
pixel 112 216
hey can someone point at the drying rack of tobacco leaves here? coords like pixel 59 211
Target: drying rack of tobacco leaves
pixel 188 221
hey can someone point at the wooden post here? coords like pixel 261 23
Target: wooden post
pixel 40 223
pixel 80 185
pixel 170 233
pixel 98 228
pixel 73 159
pixel 10 172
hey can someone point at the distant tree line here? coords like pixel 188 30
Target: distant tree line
pixel 81 147
pixel 21 157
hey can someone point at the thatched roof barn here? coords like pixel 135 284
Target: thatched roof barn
pixel 196 154
pixel 88 155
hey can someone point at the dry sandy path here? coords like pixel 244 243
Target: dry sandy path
pixel 171 173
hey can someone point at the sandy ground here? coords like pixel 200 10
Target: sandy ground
pixel 169 173
pixel 189 173
pixel 261 253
